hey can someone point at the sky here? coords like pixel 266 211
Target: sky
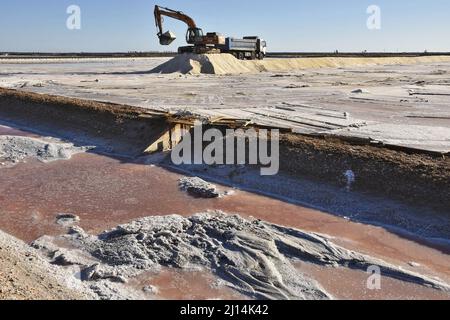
pixel 287 25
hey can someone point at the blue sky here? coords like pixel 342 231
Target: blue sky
pixel 287 25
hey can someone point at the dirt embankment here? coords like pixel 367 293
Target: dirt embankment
pixel 413 177
pixel 112 128
pixel 24 275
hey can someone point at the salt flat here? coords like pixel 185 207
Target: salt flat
pixel 397 104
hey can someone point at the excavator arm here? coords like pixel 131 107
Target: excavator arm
pixel 166 38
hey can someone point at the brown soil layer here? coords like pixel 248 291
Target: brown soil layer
pixel 412 176
pixel 26 276
pixel 63 102
pixel 119 125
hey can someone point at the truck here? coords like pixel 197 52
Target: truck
pixel 246 48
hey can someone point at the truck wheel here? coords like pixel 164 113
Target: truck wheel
pixel 241 56
pixel 261 56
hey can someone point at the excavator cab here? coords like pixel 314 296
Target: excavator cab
pixel 194 36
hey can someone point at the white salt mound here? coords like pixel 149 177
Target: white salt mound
pixel 15 149
pixel 222 64
pixel 205 63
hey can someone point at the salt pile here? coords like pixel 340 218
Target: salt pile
pixel 251 256
pixel 15 149
pixel 207 64
pixel 222 64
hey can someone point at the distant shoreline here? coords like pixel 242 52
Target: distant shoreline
pixel 32 55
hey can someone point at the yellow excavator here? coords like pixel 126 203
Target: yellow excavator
pixel 201 43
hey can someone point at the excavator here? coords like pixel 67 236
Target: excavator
pixel 201 43
pixel 213 42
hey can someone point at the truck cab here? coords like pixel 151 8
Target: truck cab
pixel 261 46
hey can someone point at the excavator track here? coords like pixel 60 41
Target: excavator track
pixel 198 50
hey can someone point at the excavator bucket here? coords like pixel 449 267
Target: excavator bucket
pixel 167 38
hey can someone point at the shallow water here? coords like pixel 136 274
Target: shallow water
pixel 8 131
pixel 106 192
pixel 174 284
pixel 347 284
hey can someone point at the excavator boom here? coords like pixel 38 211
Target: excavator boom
pixel 166 38
pixel 194 35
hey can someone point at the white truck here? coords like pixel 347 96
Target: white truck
pixel 246 48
